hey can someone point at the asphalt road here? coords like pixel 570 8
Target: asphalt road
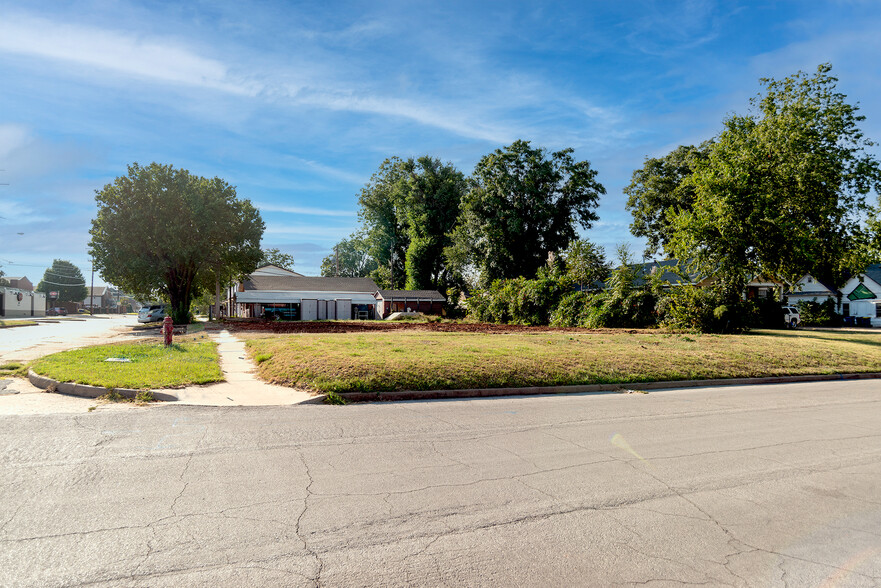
pixel 750 486
pixel 30 342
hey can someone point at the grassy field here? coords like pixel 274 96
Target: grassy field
pixel 152 365
pixel 433 361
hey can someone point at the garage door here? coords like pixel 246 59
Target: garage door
pixel 309 308
pixel 344 309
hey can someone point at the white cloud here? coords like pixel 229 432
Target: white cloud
pixel 423 112
pixel 474 106
pixel 308 230
pixel 308 210
pixel 327 170
pixel 15 214
pixel 12 138
pixel 157 59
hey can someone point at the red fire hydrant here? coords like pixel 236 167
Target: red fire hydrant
pixel 167 330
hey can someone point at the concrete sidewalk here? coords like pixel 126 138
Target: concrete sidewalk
pixel 241 387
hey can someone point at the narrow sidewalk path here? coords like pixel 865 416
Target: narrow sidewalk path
pixel 241 388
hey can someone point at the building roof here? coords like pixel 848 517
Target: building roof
pixel 874 272
pixel 411 295
pixel 273 270
pixel 668 273
pixel 96 291
pixel 819 289
pixel 309 284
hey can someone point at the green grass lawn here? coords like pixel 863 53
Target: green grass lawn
pixel 152 365
pixel 13 368
pixel 431 361
pixel 8 324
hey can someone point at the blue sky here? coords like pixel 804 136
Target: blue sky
pixel 297 104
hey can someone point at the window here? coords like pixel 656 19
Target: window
pixel 877 310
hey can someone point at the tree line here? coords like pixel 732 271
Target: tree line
pixel 425 225
pixel 780 191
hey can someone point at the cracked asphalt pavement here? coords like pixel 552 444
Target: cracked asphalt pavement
pixel 743 486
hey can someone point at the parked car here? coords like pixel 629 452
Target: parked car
pixel 151 313
pixel 57 311
pixel 791 316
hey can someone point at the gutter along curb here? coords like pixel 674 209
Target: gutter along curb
pixel 86 391
pixel 594 388
pixel 72 389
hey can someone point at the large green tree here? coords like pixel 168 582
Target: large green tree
pixel 430 193
pixel 163 230
pixel 782 189
pixel 66 279
pixel 523 204
pixel 586 263
pixel 384 224
pixel 659 191
pixel 276 257
pixel 350 259
pixel 407 211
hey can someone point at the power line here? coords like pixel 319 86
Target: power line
pixel 83 283
pixel 45 265
pixel 61 275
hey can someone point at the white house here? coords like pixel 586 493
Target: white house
pixel 861 295
pixel 810 289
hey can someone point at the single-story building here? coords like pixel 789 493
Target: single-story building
pixel 424 301
pixel 861 296
pixel 296 297
pixel 16 302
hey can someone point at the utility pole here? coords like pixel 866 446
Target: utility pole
pixel 92 292
pixel 391 263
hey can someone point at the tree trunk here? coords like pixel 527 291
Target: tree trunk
pixel 180 293
pixel 216 298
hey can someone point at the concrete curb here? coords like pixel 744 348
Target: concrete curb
pixel 592 388
pixel 72 389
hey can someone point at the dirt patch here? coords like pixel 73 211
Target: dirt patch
pixel 381 326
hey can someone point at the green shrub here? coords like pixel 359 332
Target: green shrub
pixel 704 310
pixel 520 301
pixel 766 313
pixel 549 299
pixel 816 314
pixel 633 309
pixel 572 310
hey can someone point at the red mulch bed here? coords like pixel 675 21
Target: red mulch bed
pixel 257 325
